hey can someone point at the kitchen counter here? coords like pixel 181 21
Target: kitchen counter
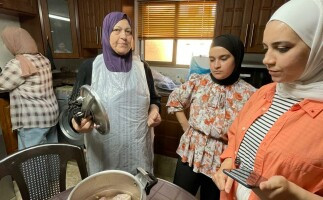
pixel 253 65
pixel 163 93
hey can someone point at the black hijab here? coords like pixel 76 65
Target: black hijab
pixel 234 45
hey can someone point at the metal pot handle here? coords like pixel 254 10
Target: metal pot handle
pixel 146 179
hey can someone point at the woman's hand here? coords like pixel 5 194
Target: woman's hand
pixel 222 181
pixel 154 118
pixel 278 187
pixel 180 115
pixel 86 125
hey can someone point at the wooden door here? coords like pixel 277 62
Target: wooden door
pixel 91 16
pixel 261 13
pixel 10 137
pixel 105 8
pixel 168 133
pixel 233 17
pixel 89 12
pixel 24 6
pixel 60 31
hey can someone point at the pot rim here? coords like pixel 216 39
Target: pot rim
pixel 142 190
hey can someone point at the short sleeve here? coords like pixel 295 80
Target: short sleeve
pixel 181 97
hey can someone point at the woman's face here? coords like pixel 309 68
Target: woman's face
pixel 221 62
pixel 286 53
pixel 121 37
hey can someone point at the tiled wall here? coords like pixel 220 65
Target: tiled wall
pixel 6 20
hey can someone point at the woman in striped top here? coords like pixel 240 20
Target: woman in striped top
pixel 278 133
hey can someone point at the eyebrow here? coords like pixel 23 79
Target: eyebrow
pixel 121 27
pixel 278 43
pixel 224 55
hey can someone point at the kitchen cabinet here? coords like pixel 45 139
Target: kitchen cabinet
pixel 20 6
pixel 60 27
pixel 91 14
pixel 10 137
pixel 168 133
pixel 246 19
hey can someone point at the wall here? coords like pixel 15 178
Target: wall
pixel 6 20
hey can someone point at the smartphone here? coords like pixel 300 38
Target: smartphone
pixel 246 177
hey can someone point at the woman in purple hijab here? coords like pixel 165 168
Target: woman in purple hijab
pixel 117 55
pixel 125 85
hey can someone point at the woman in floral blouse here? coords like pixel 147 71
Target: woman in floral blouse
pixel 214 100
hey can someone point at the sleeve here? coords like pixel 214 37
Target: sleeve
pixel 84 77
pixel 154 97
pixel 181 97
pixel 10 76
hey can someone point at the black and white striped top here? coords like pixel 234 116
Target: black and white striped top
pixel 257 131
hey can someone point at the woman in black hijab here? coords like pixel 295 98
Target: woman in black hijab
pixel 214 100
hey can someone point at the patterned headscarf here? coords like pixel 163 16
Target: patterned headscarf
pixel 113 61
pixel 309 29
pixel 234 45
pixel 19 42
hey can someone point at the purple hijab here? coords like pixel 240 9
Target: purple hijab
pixel 113 61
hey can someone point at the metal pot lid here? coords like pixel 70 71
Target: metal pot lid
pixel 64 125
pixel 92 106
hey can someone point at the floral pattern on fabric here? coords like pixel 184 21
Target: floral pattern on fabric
pixel 213 108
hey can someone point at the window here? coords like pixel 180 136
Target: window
pixel 171 32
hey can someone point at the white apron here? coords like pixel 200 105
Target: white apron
pixel 125 95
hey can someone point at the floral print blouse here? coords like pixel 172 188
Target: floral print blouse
pixel 213 108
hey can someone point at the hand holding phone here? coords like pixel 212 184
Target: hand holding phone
pixel 247 178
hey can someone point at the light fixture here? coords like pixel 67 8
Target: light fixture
pixel 58 17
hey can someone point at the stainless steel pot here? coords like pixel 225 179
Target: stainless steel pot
pixel 110 183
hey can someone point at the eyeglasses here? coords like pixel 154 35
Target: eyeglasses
pixel 117 31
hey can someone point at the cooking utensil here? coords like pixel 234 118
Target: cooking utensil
pixel 91 105
pixel 110 183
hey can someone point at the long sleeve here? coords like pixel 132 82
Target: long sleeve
pixel 10 76
pixel 84 77
pixel 154 97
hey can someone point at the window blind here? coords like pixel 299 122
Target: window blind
pixel 176 19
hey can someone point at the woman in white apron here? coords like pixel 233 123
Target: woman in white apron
pixel 125 86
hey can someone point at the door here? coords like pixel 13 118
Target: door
pixel 233 17
pixel 60 27
pixel 89 19
pixel 91 15
pixel 246 19
pixel 10 137
pixel 24 6
pixel 262 11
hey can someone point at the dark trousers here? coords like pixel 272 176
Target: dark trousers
pixel 187 179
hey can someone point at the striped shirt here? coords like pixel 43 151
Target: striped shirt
pixel 32 100
pixel 258 130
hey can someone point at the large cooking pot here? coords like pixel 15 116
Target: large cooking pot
pixel 111 183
